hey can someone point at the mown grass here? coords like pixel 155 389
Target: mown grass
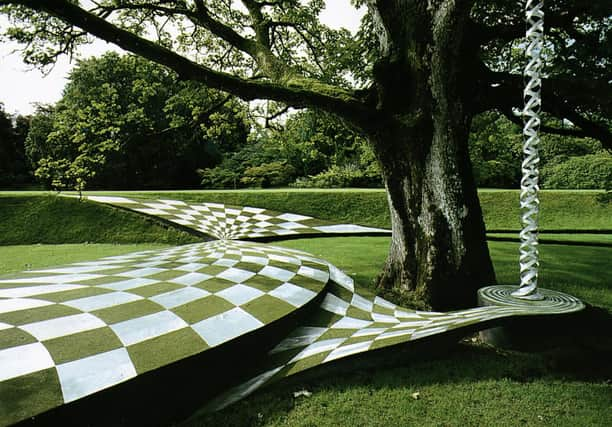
pixel 35 217
pixel 51 219
pixel 32 257
pixel 560 209
pixel 471 386
pixel 586 238
pixel 581 271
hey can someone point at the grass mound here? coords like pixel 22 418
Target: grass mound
pixel 36 218
pixel 51 219
pixel 561 210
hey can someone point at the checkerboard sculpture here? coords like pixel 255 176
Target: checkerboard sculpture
pixel 233 222
pixel 70 334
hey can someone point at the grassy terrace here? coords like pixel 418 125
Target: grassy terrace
pixel 560 209
pixel 472 385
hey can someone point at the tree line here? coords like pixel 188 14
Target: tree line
pixel 126 123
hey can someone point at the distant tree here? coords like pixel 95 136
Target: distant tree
pixel 36 143
pixel 495 151
pixel 593 171
pixel 326 152
pixel 125 122
pixel 307 143
pixel 496 155
pixel 13 168
pixel 555 149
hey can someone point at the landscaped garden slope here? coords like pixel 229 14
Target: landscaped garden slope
pixel 39 218
pixel 560 209
pixel 52 219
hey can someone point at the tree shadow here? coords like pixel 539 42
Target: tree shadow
pixel 580 350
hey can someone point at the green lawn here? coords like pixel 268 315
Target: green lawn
pixel 471 385
pixel 32 257
pixel 50 219
pixel 588 238
pixel 560 210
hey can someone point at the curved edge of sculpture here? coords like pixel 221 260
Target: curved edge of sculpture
pixel 81 329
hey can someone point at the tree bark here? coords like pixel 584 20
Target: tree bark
pixel 438 253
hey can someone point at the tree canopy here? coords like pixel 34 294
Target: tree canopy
pixel 279 50
pixel 125 122
pixel 13 165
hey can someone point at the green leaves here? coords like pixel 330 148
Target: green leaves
pixel 44 38
pixel 125 122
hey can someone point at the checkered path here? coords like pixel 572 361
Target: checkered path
pixel 232 222
pixel 348 324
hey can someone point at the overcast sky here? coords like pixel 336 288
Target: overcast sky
pixel 21 86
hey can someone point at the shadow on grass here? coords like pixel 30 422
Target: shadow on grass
pixel 579 352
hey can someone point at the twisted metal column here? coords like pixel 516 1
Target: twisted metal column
pixel 529 201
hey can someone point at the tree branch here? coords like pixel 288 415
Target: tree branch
pixel 545 129
pixel 296 92
pixel 223 31
pixel 561 98
pixel 259 22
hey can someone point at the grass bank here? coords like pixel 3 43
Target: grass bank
pixel 50 219
pixel 560 209
pixel 36 217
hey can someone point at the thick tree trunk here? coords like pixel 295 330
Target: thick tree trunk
pixel 438 253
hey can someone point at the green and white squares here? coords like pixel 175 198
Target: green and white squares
pixel 100 323
pixel 69 332
pixel 24 359
pixel 85 376
pixel 232 222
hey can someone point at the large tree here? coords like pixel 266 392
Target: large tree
pixel 425 68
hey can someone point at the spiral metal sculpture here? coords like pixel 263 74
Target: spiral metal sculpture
pixel 553 302
pixel 529 201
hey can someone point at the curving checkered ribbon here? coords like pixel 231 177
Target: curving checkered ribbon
pixel 529 201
